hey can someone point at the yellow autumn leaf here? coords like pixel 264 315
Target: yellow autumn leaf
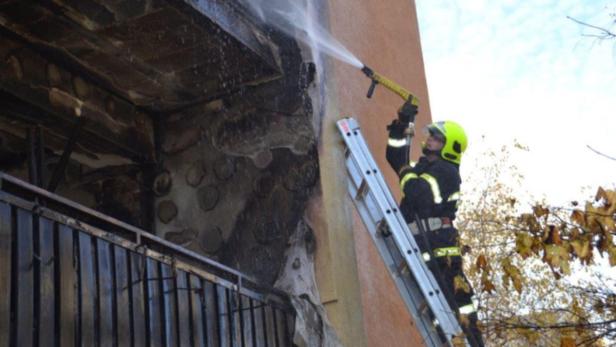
pixel 558 257
pixel 486 285
pixel 607 222
pixel 599 306
pixel 611 253
pixel 578 217
pixel 531 222
pixel 537 245
pixel 600 194
pixel 511 274
pixel 608 197
pixel 517 284
pixel 540 211
pixel 481 263
pixel 577 308
pixel 605 242
pixel 549 255
pixel 567 341
pixel 581 248
pixel 547 231
pixel 523 244
pixel 591 221
pixel 555 235
pixel 564 266
pixel 532 336
pixel 575 233
pixel 459 340
pixel 460 284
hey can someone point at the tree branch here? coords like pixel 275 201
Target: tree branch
pixel 605 34
pixel 558 326
pixel 601 154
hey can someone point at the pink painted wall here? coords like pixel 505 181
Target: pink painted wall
pixel 385 36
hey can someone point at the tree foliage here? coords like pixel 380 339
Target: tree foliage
pixel 534 266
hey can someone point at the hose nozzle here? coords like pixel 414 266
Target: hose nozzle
pixel 368 71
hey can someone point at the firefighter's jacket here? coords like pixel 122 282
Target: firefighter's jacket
pixel 430 189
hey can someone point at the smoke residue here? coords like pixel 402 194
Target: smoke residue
pixel 292 18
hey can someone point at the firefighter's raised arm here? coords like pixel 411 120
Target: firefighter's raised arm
pixel 400 134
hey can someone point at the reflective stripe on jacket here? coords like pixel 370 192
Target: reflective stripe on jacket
pixel 442 252
pixel 430 189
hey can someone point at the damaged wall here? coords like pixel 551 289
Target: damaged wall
pixel 190 120
pixel 239 171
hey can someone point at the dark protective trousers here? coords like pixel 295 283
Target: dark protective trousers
pixel 445 269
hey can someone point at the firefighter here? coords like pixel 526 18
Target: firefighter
pixel 431 189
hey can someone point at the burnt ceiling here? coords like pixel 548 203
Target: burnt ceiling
pixel 156 54
pixel 121 64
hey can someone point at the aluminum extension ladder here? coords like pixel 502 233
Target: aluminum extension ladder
pixel 425 301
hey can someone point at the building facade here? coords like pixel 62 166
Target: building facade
pixel 208 128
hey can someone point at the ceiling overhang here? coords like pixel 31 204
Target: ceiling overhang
pixel 159 55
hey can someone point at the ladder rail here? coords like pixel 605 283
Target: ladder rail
pixel 376 205
pixel 412 301
pixel 369 212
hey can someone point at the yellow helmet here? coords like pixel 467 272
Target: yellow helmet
pixel 455 139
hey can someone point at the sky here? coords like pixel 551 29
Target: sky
pixel 520 70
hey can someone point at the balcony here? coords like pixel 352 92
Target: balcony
pixel 72 276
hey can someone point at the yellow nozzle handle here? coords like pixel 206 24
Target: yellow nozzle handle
pixel 396 88
pixel 389 84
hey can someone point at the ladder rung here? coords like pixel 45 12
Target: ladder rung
pixel 361 191
pixel 424 308
pixel 382 228
pixel 403 268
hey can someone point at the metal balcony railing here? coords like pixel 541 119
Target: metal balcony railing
pixel 70 276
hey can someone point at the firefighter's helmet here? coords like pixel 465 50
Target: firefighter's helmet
pixel 454 137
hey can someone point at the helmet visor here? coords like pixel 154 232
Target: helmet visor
pixel 435 132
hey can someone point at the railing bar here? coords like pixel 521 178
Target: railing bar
pixel 142 233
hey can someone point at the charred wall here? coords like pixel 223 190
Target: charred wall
pixel 239 170
pixel 185 118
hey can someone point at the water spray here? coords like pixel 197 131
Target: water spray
pixel 295 21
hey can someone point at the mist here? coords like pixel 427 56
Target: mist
pixel 294 19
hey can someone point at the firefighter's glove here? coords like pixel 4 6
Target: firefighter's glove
pixel 396 130
pixel 407 113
